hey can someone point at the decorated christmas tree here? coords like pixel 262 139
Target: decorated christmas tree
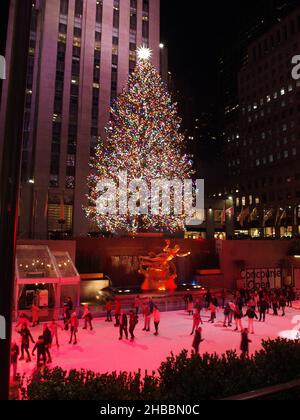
pixel 143 140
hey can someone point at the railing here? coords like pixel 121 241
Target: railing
pixel 281 391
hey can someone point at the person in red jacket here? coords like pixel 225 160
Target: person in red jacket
pixel 196 321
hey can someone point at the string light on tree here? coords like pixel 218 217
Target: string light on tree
pixel 143 139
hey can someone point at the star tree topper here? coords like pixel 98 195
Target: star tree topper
pixel 144 53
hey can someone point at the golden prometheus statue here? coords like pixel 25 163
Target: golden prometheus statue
pixel 159 270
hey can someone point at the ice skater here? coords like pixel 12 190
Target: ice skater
pixel 147 317
pixel 117 312
pixel 245 343
pixel 53 327
pixel 108 309
pixel 190 307
pixel 41 351
pixel 213 309
pixel 156 319
pixel 87 316
pixel 251 314
pixel 133 321
pixel 137 304
pixel 275 304
pixel 47 336
pixel 23 319
pixel 227 316
pixel 74 323
pixel 123 326
pixel 26 337
pixel 34 315
pixel 263 307
pixel 197 340
pixel 238 315
pixel 67 317
pixel 196 321
pixel 282 303
pixel 14 354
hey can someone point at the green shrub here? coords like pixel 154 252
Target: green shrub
pixel 180 377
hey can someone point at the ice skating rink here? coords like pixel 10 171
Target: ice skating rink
pixel 101 350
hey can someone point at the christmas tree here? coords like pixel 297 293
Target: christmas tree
pixel 143 140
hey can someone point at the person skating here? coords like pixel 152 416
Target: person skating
pixel 214 301
pixel 53 327
pixel 238 315
pixel 26 338
pixel 290 297
pixel 137 304
pixel 117 312
pixel 22 319
pixel 14 354
pixel 47 336
pixel 151 305
pixel 207 298
pixel 190 307
pixel 133 321
pixel 108 309
pixel 245 343
pixel 87 316
pixel 123 326
pixel 34 315
pixel 70 304
pixel 67 317
pixel 147 317
pixel 156 319
pixel 74 324
pixel 197 340
pixel 227 316
pixel 263 307
pixel 275 304
pixel 196 321
pixel 41 351
pixel 282 304
pixel 213 309
pixel 251 314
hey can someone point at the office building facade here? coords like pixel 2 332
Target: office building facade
pixel 80 55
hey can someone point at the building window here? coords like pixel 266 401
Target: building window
pixel 146 6
pixel 54 215
pixel 99 11
pixel 116 17
pixel 64 7
pixel 78 8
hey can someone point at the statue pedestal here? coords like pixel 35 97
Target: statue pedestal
pixel 159 280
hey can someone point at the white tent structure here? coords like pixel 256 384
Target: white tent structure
pixel 37 265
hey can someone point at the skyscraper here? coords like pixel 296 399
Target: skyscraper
pixel 80 55
pixel 263 157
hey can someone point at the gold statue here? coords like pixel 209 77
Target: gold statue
pixel 159 270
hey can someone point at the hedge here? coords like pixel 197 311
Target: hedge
pixel 181 377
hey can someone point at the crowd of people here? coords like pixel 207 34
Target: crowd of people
pixel 237 306
pixel 241 304
pixel 125 321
